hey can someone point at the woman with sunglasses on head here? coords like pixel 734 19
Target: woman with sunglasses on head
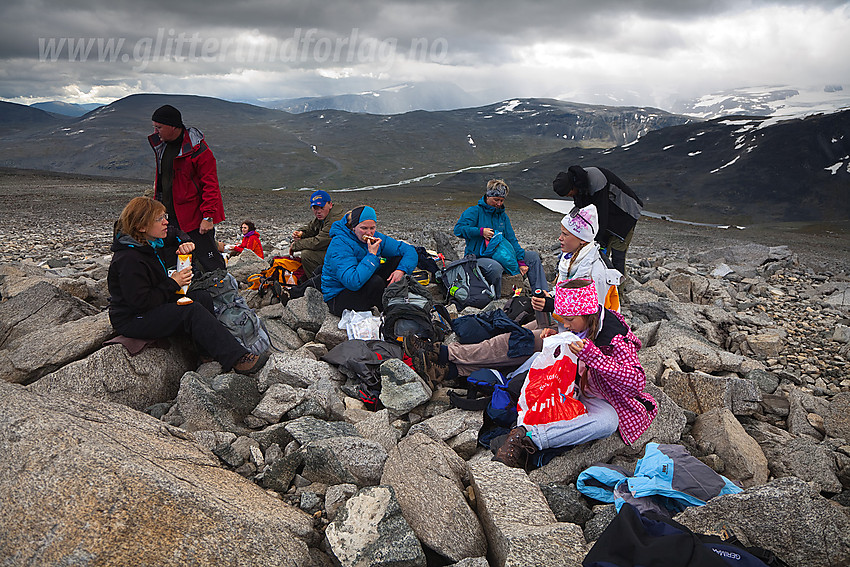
pixel 143 296
pixel 480 223
pixel 610 379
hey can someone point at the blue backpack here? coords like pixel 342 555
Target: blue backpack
pixel 495 393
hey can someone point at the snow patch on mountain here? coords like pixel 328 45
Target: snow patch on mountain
pixel 781 102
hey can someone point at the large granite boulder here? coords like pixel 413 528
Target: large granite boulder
pixel 785 516
pixel 743 458
pixel 370 530
pixel 85 482
pixel 427 477
pixel 521 528
pixel 40 352
pixel 39 306
pixel 112 374
pixel 217 403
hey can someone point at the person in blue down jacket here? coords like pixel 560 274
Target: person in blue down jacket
pixel 479 223
pixel 353 276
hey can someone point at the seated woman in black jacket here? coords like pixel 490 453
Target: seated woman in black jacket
pixel 143 297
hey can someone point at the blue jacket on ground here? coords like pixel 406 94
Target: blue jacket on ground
pixel 666 480
pixel 480 216
pixel 348 264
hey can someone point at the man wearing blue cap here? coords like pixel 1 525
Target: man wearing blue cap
pixel 312 240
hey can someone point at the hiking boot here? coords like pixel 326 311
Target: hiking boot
pixel 249 363
pixel 414 347
pixel 516 449
pixel 426 359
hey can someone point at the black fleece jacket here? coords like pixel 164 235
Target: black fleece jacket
pixel 137 280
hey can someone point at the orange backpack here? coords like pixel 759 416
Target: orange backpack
pixel 283 272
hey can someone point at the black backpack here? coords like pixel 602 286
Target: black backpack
pixel 465 285
pixel 407 310
pixel 519 309
pixel 633 539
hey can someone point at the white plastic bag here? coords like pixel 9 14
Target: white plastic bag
pixel 548 394
pixel 360 325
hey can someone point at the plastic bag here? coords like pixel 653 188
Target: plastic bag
pixel 548 394
pixel 360 325
pixel 503 252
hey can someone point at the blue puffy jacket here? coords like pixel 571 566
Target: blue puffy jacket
pixel 348 264
pixel 480 216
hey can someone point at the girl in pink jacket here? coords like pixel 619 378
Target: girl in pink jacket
pixel 610 377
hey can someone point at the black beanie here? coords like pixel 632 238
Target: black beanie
pixel 561 184
pixel 574 178
pixel 168 115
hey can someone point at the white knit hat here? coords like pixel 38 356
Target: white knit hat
pixel 582 223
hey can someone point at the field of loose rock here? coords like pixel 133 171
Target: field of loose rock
pixel 155 459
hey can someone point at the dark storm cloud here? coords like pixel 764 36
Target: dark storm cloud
pixel 143 45
pixel 461 22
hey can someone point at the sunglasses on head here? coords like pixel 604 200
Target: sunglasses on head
pixel 576 212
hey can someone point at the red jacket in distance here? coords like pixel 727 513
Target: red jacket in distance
pixel 251 241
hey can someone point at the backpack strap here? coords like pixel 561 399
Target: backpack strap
pixel 464 403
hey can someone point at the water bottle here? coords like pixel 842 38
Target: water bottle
pixel 543 318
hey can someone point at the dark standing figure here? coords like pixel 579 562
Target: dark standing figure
pixel 618 206
pixel 187 183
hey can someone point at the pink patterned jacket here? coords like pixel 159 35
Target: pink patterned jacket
pixel 616 375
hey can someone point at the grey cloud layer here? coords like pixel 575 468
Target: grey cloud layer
pixel 462 34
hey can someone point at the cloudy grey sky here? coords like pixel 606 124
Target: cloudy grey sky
pixel 646 51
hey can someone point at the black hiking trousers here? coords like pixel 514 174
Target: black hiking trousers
pixel 196 320
pixel 368 296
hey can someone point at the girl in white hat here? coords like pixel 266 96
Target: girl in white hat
pixel 581 258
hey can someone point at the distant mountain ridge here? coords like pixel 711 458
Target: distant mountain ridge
pixel 784 101
pixel 735 170
pixel 396 99
pixel 15 117
pixel 65 108
pixel 261 147
pixel 739 170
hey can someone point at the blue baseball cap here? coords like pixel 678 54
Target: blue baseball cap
pixel 319 198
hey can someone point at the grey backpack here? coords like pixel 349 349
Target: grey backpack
pixel 465 285
pixel 233 312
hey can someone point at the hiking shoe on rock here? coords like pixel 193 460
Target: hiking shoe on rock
pixel 414 345
pixel 425 356
pixel 249 363
pixel 516 449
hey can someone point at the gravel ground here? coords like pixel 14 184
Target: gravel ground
pixel 49 215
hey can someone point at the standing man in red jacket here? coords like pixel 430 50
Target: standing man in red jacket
pixel 187 183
